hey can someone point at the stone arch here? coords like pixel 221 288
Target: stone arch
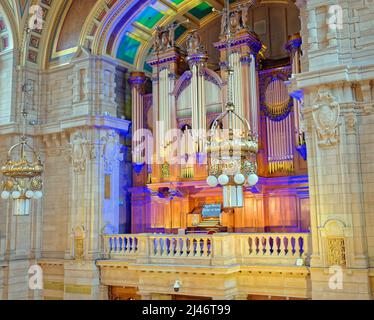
pixel 8 46
pixel 334 228
pixel 8 38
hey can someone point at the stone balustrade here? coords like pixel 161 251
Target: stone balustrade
pixel 215 250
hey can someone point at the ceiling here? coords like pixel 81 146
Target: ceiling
pixel 122 29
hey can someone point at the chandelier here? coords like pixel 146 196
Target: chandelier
pixel 22 171
pixel 232 153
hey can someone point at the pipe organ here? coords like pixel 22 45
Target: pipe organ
pixel 197 59
pixel 276 104
pixel 187 96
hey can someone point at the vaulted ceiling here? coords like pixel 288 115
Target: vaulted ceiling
pixel 122 29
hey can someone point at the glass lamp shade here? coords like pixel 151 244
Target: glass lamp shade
pixel 5 195
pixel 16 195
pixel 38 195
pixel 239 179
pixel 253 179
pixel 212 181
pixel 223 179
pixel 29 194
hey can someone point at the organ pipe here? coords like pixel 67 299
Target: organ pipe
pixel 293 46
pixel 137 81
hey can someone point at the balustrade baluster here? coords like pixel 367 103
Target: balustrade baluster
pixel 194 248
pixel 257 246
pixel 303 242
pixel 251 246
pixel 110 244
pixel 159 247
pixel 119 245
pixel 135 245
pixel 297 247
pixel 209 247
pixel 263 245
pixel 276 246
pixel 187 247
pixel 126 244
pixel 132 246
pixel 282 248
pixel 203 247
pixel 287 245
pixel 178 247
pixel 165 247
pixel 116 247
pixel 184 247
pixel 153 247
pixel 267 247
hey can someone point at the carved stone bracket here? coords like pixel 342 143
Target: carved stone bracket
pixel 55 143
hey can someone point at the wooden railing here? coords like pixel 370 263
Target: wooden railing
pixel 217 249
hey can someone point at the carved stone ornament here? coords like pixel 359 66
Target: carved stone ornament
pixel 80 151
pixel 194 44
pixel 350 123
pixel 111 151
pixel 79 234
pixel 336 252
pixel 326 113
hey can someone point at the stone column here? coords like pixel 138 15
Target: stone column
pixel 95 157
pixel 334 119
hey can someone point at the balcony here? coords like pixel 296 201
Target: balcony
pixel 218 250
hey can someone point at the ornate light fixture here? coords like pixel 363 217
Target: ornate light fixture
pixel 22 178
pixel 232 158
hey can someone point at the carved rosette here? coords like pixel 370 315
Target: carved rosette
pixel 326 113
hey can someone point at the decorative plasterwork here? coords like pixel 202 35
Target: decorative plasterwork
pixel 111 151
pixel 79 234
pixel 336 251
pixel 110 20
pixel 80 151
pixel 34 44
pixel 326 113
pixel 55 143
pixel 350 123
pixel 10 28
